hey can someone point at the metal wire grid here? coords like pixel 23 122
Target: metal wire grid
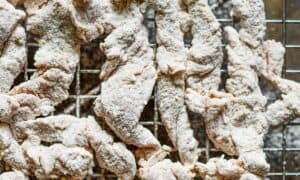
pixel 154 123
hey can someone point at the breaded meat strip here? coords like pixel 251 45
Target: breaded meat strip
pixel 171 57
pixel 235 121
pixel 13 175
pixel 83 132
pixel 205 56
pixel 57 161
pixel 128 75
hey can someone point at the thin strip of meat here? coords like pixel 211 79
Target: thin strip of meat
pixel 128 76
pixel 235 121
pixel 166 169
pixel 11 152
pixel 12 45
pixel 249 17
pixel 250 107
pixel 220 168
pixel 13 175
pixel 205 57
pixel 286 107
pixel 85 132
pixel 171 57
pixel 55 60
pixel 8 21
pixel 158 167
pixel 57 161
pixel 12 58
pixel 12 61
pixel 230 127
pixel 242 66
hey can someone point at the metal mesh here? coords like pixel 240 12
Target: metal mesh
pixel 85 88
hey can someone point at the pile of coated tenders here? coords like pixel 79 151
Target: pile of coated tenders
pixel 34 143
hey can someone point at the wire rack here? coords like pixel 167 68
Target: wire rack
pixel 80 99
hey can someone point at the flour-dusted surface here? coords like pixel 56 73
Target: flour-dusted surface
pixel 250 16
pixel 13 58
pixel 166 169
pixel 171 57
pixel 128 79
pixel 57 161
pixel 285 108
pixel 236 122
pixel 55 60
pixel 85 132
pixel 13 175
pixel 205 56
pixel 9 20
pixel 11 152
pixel 88 26
pixel 220 168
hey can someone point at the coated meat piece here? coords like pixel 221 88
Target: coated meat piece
pixel 57 161
pixel 220 168
pixel 235 125
pixel 13 175
pixel 205 56
pixel 158 167
pixel 8 21
pixel 55 60
pixel 286 107
pixel 128 76
pixel 250 16
pixel 11 152
pixel 12 45
pixel 85 132
pixel 235 121
pixel 12 58
pixel 171 57
pixel 166 169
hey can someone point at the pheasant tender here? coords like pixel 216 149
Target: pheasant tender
pixel 10 18
pixel 205 56
pixel 282 107
pixel 13 175
pixel 57 161
pixel 235 121
pixel 12 58
pixel 85 132
pixel 10 151
pixel 250 17
pixel 56 61
pixel 158 167
pixel 128 76
pixel 286 107
pixel 171 57
pixel 166 169
pixel 220 168
pixel 12 45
